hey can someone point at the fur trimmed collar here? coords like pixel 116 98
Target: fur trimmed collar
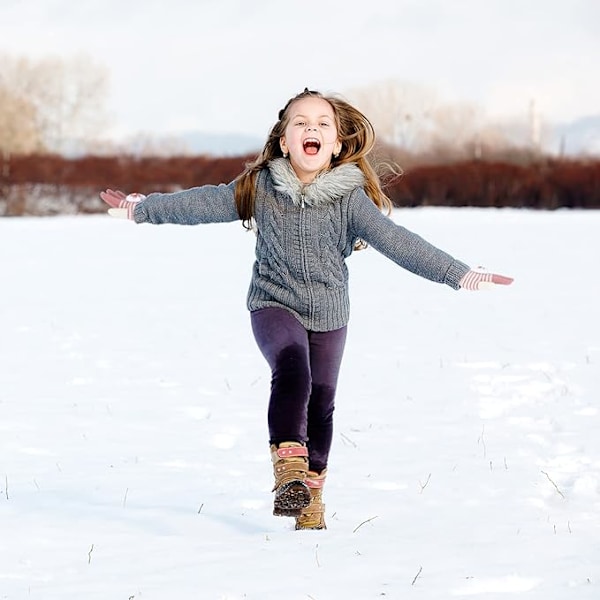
pixel 327 187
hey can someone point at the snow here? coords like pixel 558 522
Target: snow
pixel 133 455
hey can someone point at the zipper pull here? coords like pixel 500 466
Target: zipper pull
pixel 301 200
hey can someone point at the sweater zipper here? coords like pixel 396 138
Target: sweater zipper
pixel 304 255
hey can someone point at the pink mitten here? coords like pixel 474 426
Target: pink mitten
pixel 122 205
pixel 478 279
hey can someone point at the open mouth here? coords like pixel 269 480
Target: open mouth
pixel 311 145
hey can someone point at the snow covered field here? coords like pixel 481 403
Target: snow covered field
pixel 133 454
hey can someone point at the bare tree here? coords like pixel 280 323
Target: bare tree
pixel 18 131
pixel 462 131
pixel 66 96
pixel 413 118
pixel 456 125
pixel 402 113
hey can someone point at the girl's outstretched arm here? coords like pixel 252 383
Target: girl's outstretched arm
pixel 412 252
pixel 203 204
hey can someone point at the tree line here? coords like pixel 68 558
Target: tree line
pixel 53 184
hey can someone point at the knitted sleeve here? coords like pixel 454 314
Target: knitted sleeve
pixel 204 204
pixel 404 247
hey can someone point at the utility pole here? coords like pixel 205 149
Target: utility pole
pixel 535 128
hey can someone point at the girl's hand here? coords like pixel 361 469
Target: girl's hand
pixel 122 205
pixel 478 279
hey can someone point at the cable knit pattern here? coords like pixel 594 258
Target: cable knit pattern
pixel 304 234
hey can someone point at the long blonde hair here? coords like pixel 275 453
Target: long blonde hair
pixel 355 132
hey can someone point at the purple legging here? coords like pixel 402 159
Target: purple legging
pixel 304 372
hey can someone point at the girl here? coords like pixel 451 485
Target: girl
pixel 312 197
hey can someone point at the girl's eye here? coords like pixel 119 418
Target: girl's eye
pixel 300 123
pixel 324 124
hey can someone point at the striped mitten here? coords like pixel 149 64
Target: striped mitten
pixel 121 205
pixel 479 279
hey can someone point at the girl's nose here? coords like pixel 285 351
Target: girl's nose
pixel 311 128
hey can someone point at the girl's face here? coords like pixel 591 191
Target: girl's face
pixel 310 137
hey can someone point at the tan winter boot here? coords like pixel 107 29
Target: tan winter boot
pixel 313 516
pixel 290 464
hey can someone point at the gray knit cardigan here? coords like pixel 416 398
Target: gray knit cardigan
pixel 304 233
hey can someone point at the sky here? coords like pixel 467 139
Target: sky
pixel 228 66
pixel 134 461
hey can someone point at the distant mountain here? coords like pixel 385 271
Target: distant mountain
pixel 220 144
pixel 580 137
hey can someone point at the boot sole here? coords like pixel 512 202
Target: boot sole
pixel 290 499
